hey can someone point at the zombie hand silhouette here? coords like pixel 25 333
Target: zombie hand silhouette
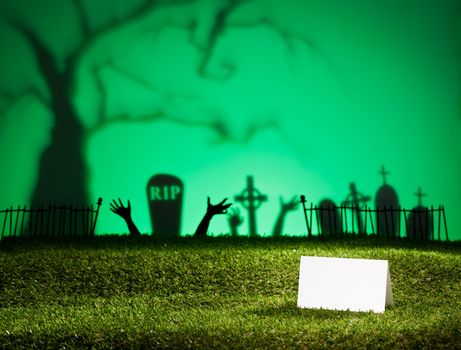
pixel 125 214
pixel 288 206
pixel 285 207
pixel 235 220
pixel 119 209
pixel 211 211
pixel 219 208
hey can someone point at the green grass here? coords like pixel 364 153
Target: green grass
pixel 119 292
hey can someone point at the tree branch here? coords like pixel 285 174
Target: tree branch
pixel 219 26
pixel 96 72
pixel 143 10
pixel 288 38
pixel 46 61
pixel 83 19
pixel 12 100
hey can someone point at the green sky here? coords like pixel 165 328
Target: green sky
pixel 307 96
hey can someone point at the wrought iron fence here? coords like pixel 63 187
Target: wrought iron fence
pixel 422 223
pixel 49 221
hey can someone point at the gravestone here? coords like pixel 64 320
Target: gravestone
pixel 329 218
pixel 164 196
pixel 251 199
pixel 356 199
pixel 387 209
pixel 420 221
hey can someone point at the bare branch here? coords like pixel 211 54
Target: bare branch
pixel 46 61
pixel 96 72
pixel 143 10
pixel 161 115
pixel 140 81
pixel 83 19
pixel 12 100
pixel 289 39
pixel 168 100
pixel 219 26
pixel 123 118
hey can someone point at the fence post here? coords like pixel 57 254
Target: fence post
pixel 22 220
pixel 41 220
pixel 366 221
pixel 420 224
pixel 386 222
pixel 445 223
pixel 11 219
pixel 352 214
pixel 319 233
pixel 17 219
pixel 75 220
pixel 70 220
pixel 61 219
pixel 99 203
pixel 4 222
pixel 302 199
pixel 371 221
pixel 406 223
pixel 335 214
pixel 432 222
pixel 392 222
pixel 36 222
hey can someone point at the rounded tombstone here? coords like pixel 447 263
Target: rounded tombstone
pixel 420 224
pixel 164 196
pixel 387 212
pixel 329 219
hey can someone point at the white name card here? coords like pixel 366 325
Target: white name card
pixel 344 284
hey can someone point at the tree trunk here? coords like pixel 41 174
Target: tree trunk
pixel 62 170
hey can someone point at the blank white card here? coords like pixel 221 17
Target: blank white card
pixel 344 284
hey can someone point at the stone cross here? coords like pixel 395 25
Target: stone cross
pixel 355 198
pixel 420 196
pixel 383 172
pixel 251 199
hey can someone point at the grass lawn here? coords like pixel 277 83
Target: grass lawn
pixel 119 292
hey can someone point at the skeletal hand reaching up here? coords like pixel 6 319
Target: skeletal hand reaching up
pixel 120 209
pixel 219 208
pixel 285 207
pixel 235 220
pixel 211 211
pixel 125 213
pixel 290 205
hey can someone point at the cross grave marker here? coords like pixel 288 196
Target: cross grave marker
pixel 251 199
pixel 383 172
pixel 355 198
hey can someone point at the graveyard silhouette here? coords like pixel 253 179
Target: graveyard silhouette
pixel 353 216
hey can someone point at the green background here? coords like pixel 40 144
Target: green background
pixel 307 96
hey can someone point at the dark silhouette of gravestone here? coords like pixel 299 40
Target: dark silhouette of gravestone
pixel 420 221
pixel 251 199
pixel 356 199
pixel 329 218
pixel 387 209
pixel 164 196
